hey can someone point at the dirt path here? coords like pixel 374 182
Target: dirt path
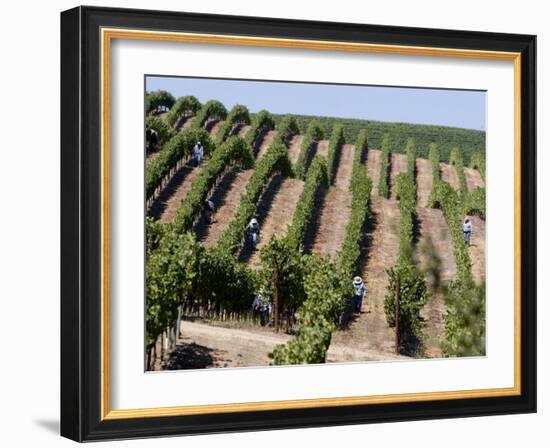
pixel 213 126
pixel 227 197
pixel 208 346
pixel 373 169
pixel 167 203
pixel 322 148
pixel 473 179
pixel 448 174
pixel 265 143
pixel 369 330
pixel 424 181
pixel 241 130
pixel 434 244
pixel 275 211
pixel 184 123
pixel 336 208
pixel 477 249
pixel 398 164
pixel 294 146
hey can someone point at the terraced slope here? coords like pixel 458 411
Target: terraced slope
pixel 473 179
pixel 167 203
pixel 369 332
pixel 294 147
pixel 398 163
pixel 448 174
pixel 336 208
pixel 274 212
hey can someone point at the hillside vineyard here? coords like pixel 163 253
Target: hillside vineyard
pixel 382 201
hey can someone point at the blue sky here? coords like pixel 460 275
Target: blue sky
pixel 458 108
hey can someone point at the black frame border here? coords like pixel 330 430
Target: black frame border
pixel 81 223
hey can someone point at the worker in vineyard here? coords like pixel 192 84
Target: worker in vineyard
pixel 262 307
pixel 467 231
pixel 253 231
pixel 198 152
pixel 210 209
pixel 152 139
pixel 359 290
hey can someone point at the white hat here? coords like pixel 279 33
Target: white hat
pixel 357 280
pixel 254 221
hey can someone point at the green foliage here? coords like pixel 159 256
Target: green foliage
pixel 411 158
pixel 314 133
pixel 405 191
pixel 316 176
pixel 477 162
pixel 361 147
pixel 184 106
pixel 158 99
pixel 449 201
pixel 474 202
pixel 445 137
pixel 361 186
pixel 278 257
pixel 238 115
pixel 234 150
pixel 163 130
pixel 170 273
pixel 413 296
pixel 287 127
pixel 274 160
pixel 175 149
pixel 456 160
pixel 317 315
pixel 383 185
pixel 154 232
pixel 436 172
pixel 262 121
pixel 211 110
pixel 335 145
pixel 465 320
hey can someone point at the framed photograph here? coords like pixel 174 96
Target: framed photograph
pixel 273 223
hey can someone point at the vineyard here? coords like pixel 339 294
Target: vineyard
pixel 334 199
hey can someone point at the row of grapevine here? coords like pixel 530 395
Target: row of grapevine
pixel 158 100
pixel 334 146
pixel 465 316
pixel 274 160
pixel 286 128
pixel 262 122
pixel 413 292
pixel 238 115
pixel 317 176
pixel 477 161
pixel 177 148
pixel 211 110
pixel 326 283
pixel 383 183
pixel 184 106
pixel 314 133
pixel 456 160
pixel 233 150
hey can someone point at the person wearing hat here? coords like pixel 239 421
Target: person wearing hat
pixel 198 152
pixel 253 230
pixel 359 291
pixel 467 231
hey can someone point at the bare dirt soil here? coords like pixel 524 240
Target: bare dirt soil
pixel 369 330
pixel 167 203
pixel 448 174
pixel 477 249
pixel 184 123
pixel 424 181
pixel 241 130
pixel 336 207
pixel 398 164
pixel 265 142
pixel 294 147
pixel 275 212
pixel 473 179
pixel 226 197
pixel 213 126
pixel 373 169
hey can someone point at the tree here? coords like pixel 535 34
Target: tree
pixel 158 100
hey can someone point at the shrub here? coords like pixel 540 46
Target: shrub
pixel 383 185
pixel 263 121
pixel 314 133
pixel 456 160
pixel 286 128
pixel 238 115
pixel 158 99
pixel 334 146
pixel 211 110
pixel 477 161
pixel 163 130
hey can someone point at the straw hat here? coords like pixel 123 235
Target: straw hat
pixel 357 280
